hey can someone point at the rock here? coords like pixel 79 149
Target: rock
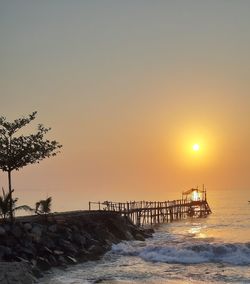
pixel 109 242
pixel 6 227
pixel 110 238
pixel 22 259
pixel 75 229
pixel 68 246
pixel 79 239
pixel 16 231
pixel 95 251
pixel 28 279
pixel 1 253
pixel 53 228
pixel 85 234
pixel 27 226
pixel 30 252
pixel 129 236
pixel 52 260
pixel 16 272
pixel 139 237
pixel 83 255
pixel 49 242
pixel 2 231
pixel 36 232
pixel 149 231
pixel 72 260
pixel 58 252
pixel 43 263
pixel 91 242
pixel 5 252
pixel 62 261
pixel 37 272
pixel 48 250
pixel 68 234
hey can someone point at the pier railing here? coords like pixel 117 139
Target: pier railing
pixel 153 212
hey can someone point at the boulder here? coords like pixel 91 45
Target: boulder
pixel 71 259
pixel 58 252
pixel 68 246
pixel 27 226
pixel 95 251
pixel 16 272
pixel 5 252
pixel 36 272
pixel 43 264
pixel 2 231
pixel 129 236
pixel 49 241
pixel 52 260
pixel 29 251
pixel 37 232
pixel 139 237
pixel 62 261
pixel 79 239
pixel 53 228
pixel 91 242
pixel 6 227
pixel 67 234
pixel 48 250
pixel 22 259
pixel 16 231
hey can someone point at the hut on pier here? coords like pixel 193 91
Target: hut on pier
pixel 197 200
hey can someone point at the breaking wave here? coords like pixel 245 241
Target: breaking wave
pixel 230 253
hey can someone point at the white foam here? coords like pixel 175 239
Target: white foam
pixel 188 253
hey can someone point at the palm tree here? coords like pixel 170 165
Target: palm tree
pixel 8 205
pixel 4 204
pixel 43 207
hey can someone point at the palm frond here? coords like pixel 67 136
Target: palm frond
pixel 24 207
pixel 44 206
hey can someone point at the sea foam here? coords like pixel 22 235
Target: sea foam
pixel 188 253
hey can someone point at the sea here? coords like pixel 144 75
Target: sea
pixel 215 249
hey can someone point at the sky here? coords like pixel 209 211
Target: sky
pixel 127 88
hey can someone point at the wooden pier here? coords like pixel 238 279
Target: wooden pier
pixel 193 204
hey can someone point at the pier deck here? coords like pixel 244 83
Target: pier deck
pixel 151 212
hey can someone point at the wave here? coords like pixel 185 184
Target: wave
pixel 230 253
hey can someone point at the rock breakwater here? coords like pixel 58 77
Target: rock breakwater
pixel 62 239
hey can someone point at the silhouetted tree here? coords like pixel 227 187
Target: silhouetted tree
pixel 44 206
pixel 17 152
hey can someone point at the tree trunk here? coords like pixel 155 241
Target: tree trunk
pixel 10 193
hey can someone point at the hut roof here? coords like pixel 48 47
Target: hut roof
pixel 187 192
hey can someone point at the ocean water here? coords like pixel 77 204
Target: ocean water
pixel 209 250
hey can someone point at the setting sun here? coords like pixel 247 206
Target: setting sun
pixel 196 147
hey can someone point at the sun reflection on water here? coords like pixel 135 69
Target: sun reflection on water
pixel 196 232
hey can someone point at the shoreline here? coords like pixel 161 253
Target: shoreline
pixel 34 244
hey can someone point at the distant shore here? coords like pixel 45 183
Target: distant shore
pixel 34 244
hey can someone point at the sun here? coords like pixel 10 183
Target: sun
pixel 196 147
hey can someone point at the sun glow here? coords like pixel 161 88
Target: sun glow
pixel 196 147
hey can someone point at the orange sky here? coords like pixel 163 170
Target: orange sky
pixel 127 88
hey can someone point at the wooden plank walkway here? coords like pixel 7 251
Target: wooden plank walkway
pixel 149 213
